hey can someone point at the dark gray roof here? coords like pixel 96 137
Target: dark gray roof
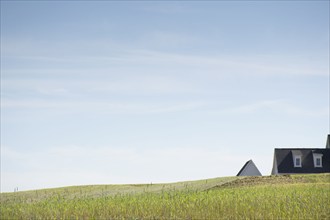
pixel 284 160
pixel 243 168
pixel 249 169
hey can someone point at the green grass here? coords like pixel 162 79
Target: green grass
pixel 270 197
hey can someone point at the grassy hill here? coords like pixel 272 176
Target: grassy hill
pixel 268 197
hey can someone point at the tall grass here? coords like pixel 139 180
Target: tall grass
pixel 309 200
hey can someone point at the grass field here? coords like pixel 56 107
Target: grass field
pixel 268 197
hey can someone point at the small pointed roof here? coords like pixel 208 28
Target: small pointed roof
pixel 249 169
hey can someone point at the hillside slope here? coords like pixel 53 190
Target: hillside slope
pixel 95 191
pixel 268 197
pixel 276 180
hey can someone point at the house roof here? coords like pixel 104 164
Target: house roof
pixel 245 165
pixel 249 169
pixel 284 160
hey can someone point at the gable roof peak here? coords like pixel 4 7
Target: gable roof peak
pixel 249 169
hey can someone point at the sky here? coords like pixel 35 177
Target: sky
pixel 112 92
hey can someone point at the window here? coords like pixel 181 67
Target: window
pixel 297 161
pixel 317 160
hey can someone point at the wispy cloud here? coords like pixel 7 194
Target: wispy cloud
pixel 168 9
pixel 235 65
pixel 110 107
pixel 128 56
pixel 279 106
pixel 167 40
pixel 130 83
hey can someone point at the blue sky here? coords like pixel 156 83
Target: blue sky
pixel 139 92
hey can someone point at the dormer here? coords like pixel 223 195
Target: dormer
pixel 317 157
pixel 297 158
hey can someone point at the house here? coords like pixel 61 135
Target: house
pixel 249 169
pixel 302 160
